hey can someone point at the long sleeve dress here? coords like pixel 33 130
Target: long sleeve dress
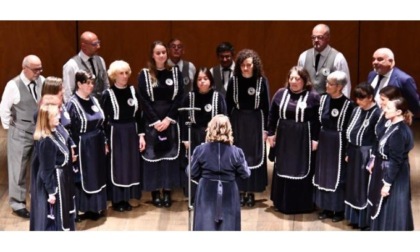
pixel 87 131
pixel 52 178
pixel 123 126
pixel 161 167
pixel 210 104
pixel 361 137
pixel 294 120
pixel 247 101
pixel 394 212
pixel 217 205
pixel 330 168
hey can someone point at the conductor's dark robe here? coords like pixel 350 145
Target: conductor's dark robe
pixel 217 205
pixel 210 104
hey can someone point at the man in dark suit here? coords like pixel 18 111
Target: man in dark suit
pixel 17 109
pixel 385 73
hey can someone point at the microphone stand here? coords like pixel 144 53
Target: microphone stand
pixel 190 206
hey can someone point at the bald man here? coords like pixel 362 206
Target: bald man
pixel 87 59
pixel 385 72
pixel 17 109
pixel 327 61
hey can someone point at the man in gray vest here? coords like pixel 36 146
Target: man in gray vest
pixel 88 60
pixel 17 109
pixel 176 51
pixel 322 59
pixel 224 71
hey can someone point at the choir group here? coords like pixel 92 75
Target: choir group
pixel 92 137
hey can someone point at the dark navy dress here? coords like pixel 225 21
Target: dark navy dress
pixel 247 101
pixel 52 178
pixel 394 212
pixel 294 120
pixel 123 121
pixel 90 171
pixel 161 99
pixel 361 137
pixel 330 168
pixel 217 206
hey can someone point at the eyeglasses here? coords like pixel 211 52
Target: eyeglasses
pixel 319 37
pixel 35 70
pixel 173 46
pixel 96 43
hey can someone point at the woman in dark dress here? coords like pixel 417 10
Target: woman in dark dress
pixel 330 168
pixel 247 101
pixel 87 132
pixel 293 128
pixel 361 137
pixel 374 165
pixel 210 102
pixel 123 123
pixel 215 165
pixel 52 94
pixel 53 208
pixel 394 212
pixel 161 89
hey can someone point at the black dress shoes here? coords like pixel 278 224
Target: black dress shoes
pixel 250 200
pixel 156 200
pixel 325 214
pixel 119 207
pixel 23 213
pixel 127 206
pixel 79 218
pixel 167 201
pixel 338 216
pixel 242 199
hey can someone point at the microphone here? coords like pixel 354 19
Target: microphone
pixel 189 109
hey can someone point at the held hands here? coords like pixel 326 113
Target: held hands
pixel 385 190
pixel 73 155
pixel 162 125
pixel 106 149
pixel 142 143
pixel 272 141
pixel 51 199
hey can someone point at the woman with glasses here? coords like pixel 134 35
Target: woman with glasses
pixel 293 128
pixel 361 137
pixel 87 132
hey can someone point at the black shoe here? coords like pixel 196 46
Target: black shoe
pixel 94 216
pixel 338 216
pixel 367 228
pixel 167 201
pixel 23 213
pixel 250 200
pixel 119 207
pixel 242 198
pixel 325 214
pixel 79 218
pixel 127 206
pixel 156 200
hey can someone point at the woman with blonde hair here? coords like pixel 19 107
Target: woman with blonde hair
pixel 216 164
pixel 53 196
pixel 123 127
